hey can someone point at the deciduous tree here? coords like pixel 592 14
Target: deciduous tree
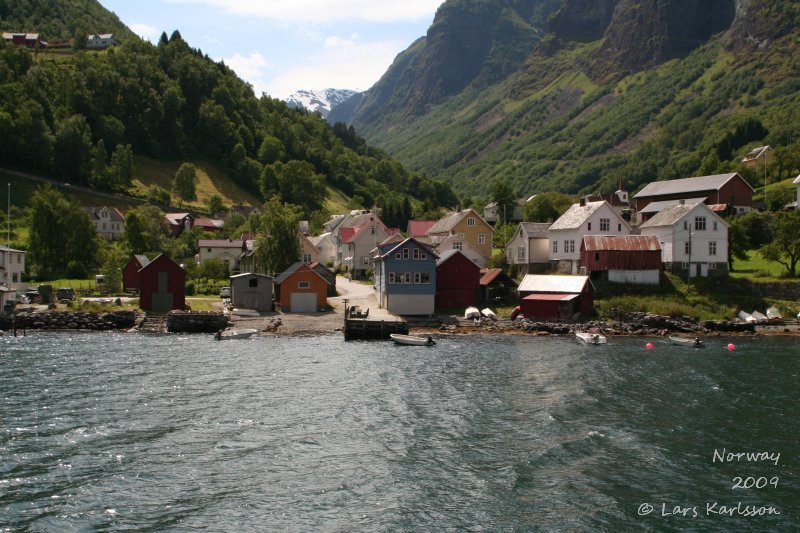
pixel 785 245
pixel 277 247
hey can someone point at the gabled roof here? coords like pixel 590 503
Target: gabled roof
pixel 796 180
pixel 250 275
pixel 283 276
pixel 756 153
pixel 176 219
pixel 209 223
pixel 419 228
pixel 556 284
pixel 627 243
pixel 451 220
pixel 114 213
pixel 671 215
pixel 576 215
pixel 449 254
pixel 488 275
pixel 535 229
pixel 389 249
pixel 7 249
pixel 219 243
pixel 655 207
pixel 688 185
pixel 161 258
pixel 142 259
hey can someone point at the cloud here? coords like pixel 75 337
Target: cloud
pixel 253 69
pixel 145 31
pixel 348 65
pixel 320 11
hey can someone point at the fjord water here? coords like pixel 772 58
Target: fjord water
pixel 126 431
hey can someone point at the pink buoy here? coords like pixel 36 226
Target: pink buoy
pixel 731 347
pixel 649 345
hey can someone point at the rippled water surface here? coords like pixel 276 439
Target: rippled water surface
pixel 124 431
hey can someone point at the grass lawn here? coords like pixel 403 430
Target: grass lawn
pixel 757 267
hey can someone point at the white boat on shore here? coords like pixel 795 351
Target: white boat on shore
pixel 759 317
pixel 244 312
pixel 686 341
pixel 745 316
pixel 488 313
pixel 591 338
pixel 411 340
pixel 230 334
pixel 472 312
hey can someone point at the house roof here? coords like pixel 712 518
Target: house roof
pixel 688 185
pixel 796 180
pixel 545 283
pixel 7 249
pixel 209 223
pixel 451 220
pixel 554 297
pixel 576 215
pixel 419 228
pixel 488 275
pixel 535 229
pixel 250 275
pixel 176 219
pixel 670 215
pixel 283 276
pixel 219 243
pixel 114 213
pixel 756 153
pixel 655 207
pixel 390 249
pixel 628 243
pixel 447 255
pixel 142 259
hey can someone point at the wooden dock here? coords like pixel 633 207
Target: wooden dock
pixel 359 325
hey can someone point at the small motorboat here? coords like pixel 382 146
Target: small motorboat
pixel 488 313
pixel 774 315
pixel 686 341
pixel 238 311
pixel 412 340
pixel 591 338
pixel 472 312
pixel 759 317
pixel 229 334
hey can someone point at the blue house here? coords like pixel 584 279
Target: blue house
pixel 405 277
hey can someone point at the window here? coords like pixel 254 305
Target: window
pixel 398 255
pixel 605 224
pixel 521 252
pixel 405 253
pixel 208 250
pixel 14 277
pixel 715 225
pixel 306 258
pixel 685 224
pixel 365 260
pixel 481 238
pixel 456 245
pixel 423 256
pixel 391 277
pixel 415 254
pixel 590 226
pixel 687 248
pixel 700 223
pixel 406 277
pixel 619 226
pixel 303 284
pixel 252 282
pixel 712 266
pixel 712 248
pixel 572 247
pixel 425 278
pixel 555 247
pixel 566 247
pixel 417 277
pixel 470 221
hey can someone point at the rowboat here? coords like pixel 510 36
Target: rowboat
pixel 230 334
pixel 760 317
pixel 488 313
pixel 686 341
pixel 411 340
pixel 472 312
pixel 774 314
pixel 591 338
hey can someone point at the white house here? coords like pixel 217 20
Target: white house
pixel 443 244
pixel 529 249
pixel 694 240
pixel 796 183
pixel 101 41
pixel 357 243
pixel 12 265
pixel 567 232
pixel 109 222
pixel 227 250
pixel 326 249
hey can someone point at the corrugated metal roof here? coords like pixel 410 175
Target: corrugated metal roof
pixel 555 297
pixel 545 283
pixel 687 185
pixel 655 207
pixel 630 243
pixel 576 215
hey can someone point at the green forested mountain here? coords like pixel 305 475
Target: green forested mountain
pixel 578 95
pixel 75 116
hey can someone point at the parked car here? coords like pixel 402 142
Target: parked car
pixel 225 292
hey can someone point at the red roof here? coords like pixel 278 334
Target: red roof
pixel 488 275
pixel 348 234
pixel 628 243
pixel 419 228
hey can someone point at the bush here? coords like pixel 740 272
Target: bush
pixel 189 288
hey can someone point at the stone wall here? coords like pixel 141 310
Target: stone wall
pixel 195 322
pixel 68 320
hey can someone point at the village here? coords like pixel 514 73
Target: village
pixel 442 266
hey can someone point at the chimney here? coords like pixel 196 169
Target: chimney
pixel 583 201
pixel 681 202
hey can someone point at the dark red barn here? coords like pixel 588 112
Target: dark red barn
pixel 162 285
pixel 457 281
pixel 130 273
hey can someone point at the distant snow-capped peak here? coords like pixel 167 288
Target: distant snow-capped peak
pixel 319 101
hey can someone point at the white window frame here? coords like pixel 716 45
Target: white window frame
pixel 555 247
pixel 520 252
pixel 457 245
pixel 471 221
pixel 303 284
pixel 699 223
pixel 712 248
pixel 605 224
pixel 481 238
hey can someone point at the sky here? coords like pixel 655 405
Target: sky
pixel 282 46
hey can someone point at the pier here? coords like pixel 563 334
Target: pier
pixel 358 324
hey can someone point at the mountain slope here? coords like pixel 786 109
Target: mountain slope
pixel 319 101
pixel 607 90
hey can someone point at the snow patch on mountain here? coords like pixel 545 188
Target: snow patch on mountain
pixel 320 101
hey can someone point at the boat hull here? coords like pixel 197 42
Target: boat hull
pixel 591 338
pixel 411 340
pixel 231 334
pixel 683 341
